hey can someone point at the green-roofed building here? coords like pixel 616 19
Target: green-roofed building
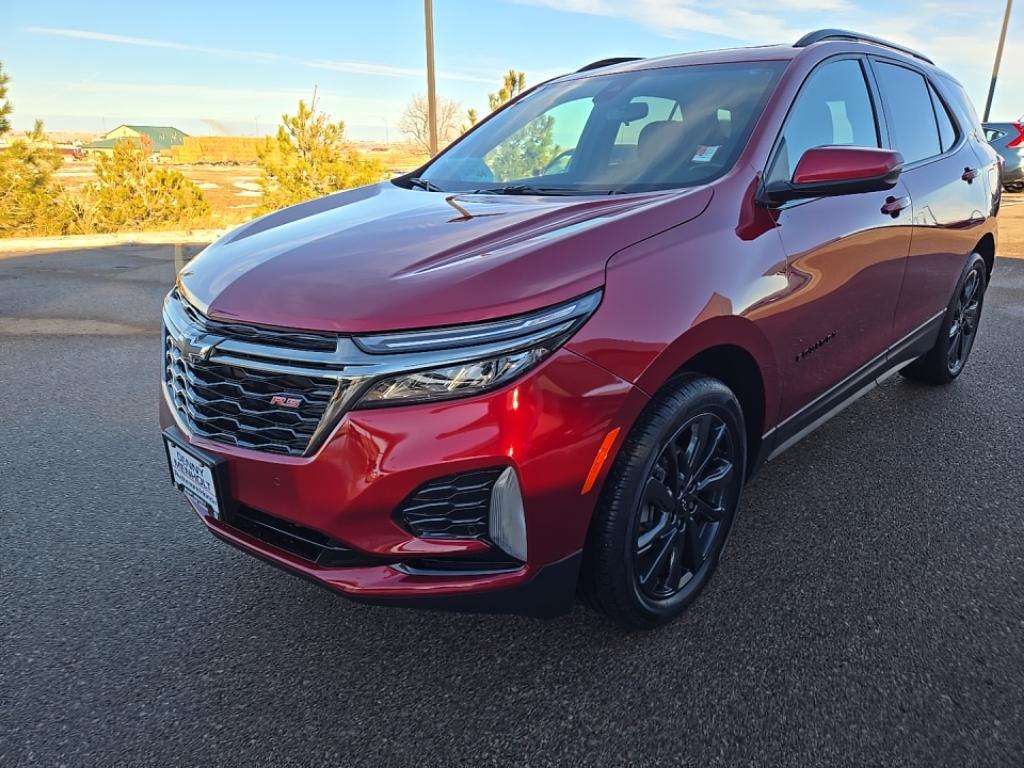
pixel 160 137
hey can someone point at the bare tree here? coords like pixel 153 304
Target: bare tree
pixel 415 125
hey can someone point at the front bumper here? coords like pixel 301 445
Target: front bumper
pixel 1013 166
pixel 548 425
pixel 1013 175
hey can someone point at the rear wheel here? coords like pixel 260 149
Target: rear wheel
pixel 948 358
pixel 668 505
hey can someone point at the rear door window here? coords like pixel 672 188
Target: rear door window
pixel 833 108
pixel 947 129
pixel 911 115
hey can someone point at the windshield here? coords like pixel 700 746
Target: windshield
pixel 637 131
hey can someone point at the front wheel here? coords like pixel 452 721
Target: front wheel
pixel 948 358
pixel 668 505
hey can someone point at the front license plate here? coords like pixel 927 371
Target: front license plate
pixel 197 475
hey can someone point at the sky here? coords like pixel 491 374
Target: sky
pixel 228 67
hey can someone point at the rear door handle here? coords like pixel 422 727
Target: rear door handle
pixel 893 205
pixel 969 174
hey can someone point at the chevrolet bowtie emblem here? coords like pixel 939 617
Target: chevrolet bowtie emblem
pixel 197 348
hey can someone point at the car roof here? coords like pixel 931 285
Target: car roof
pixel 817 44
pixel 718 56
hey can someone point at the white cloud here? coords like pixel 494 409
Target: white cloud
pixel 386 70
pixel 351 67
pixel 740 20
pixel 146 42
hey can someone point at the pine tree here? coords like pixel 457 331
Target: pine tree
pixel 132 193
pixel 310 157
pixel 29 194
pixel 529 150
pixel 5 105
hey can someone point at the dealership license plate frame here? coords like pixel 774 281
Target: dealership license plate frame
pixel 217 468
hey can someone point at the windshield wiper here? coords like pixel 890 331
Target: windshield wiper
pixel 527 189
pixel 419 183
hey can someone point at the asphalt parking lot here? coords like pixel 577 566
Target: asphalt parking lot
pixel 870 610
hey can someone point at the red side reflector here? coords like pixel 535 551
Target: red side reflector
pixel 599 459
pixel 1019 141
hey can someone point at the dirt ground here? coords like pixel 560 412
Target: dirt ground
pixel 1011 226
pixel 231 190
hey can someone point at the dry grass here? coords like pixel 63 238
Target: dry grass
pixel 232 188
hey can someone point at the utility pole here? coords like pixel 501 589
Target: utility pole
pixel 428 13
pixel 999 58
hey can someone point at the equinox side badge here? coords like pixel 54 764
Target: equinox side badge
pixel 815 346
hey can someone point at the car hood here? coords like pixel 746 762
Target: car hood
pixel 385 258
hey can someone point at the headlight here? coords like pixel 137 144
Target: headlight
pixel 471 359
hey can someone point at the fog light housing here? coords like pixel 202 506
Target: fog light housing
pixel 508 519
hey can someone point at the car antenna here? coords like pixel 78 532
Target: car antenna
pixel 464 213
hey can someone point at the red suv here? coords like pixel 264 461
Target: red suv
pixel 545 363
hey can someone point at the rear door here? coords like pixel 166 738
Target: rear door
pixel 846 257
pixel 945 181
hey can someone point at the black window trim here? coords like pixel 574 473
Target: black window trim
pixel 961 136
pixel 874 96
pixel 936 96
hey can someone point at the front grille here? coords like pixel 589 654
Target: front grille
pixel 451 507
pixel 234 405
pixel 245 385
pixel 303 542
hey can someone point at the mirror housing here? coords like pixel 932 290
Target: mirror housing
pixel 831 171
pixel 627 113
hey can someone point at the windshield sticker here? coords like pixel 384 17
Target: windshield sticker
pixel 704 154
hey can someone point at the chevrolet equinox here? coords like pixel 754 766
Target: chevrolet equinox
pixel 545 363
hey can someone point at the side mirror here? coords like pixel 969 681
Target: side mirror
pixel 829 171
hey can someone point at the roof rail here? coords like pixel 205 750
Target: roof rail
pixel 608 62
pixel 844 34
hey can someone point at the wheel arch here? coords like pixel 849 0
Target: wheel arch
pixel 733 350
pixel 986 248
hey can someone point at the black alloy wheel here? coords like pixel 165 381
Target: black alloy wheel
pixel 947 358
pixel 680 514
pixel 667 505
pixel 964 328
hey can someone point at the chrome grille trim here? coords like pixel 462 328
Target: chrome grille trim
pixel 260 334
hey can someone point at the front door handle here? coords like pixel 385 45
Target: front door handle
pixel 969 174
pixel 893 205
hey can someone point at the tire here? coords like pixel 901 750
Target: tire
pixel 696 421
pixel 948 358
